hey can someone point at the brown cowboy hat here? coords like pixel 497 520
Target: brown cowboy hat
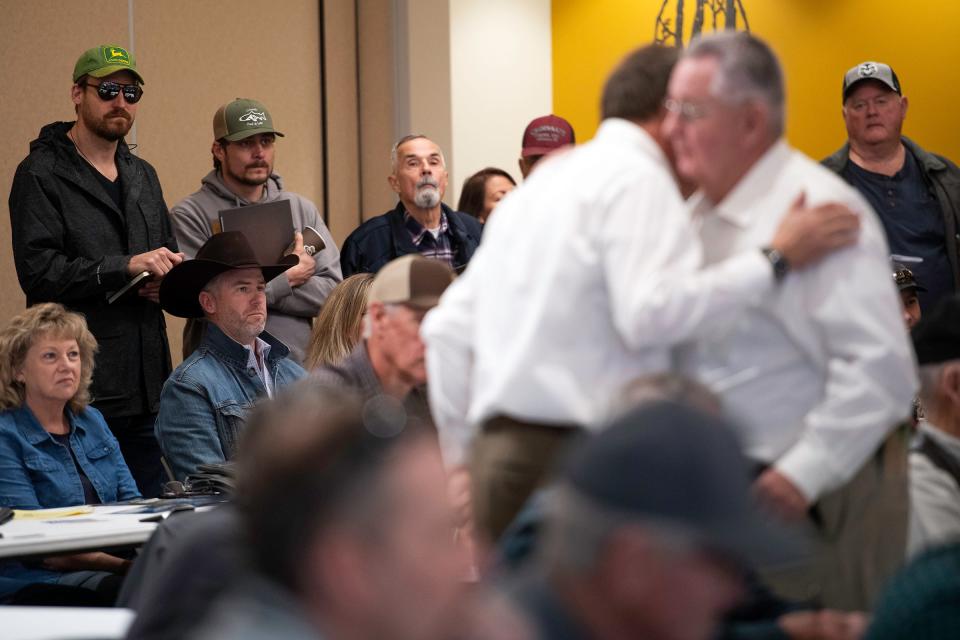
pixel 180 288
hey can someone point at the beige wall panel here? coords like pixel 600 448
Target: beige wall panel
pixel 377 104
pixel 343 171
pixel 426 68
pixel 41 43
pixel 196 56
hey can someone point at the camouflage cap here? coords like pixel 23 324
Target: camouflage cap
pixel 106 59
pixel 241 119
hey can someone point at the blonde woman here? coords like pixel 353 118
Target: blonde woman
pixel 338 327
pixel 55 449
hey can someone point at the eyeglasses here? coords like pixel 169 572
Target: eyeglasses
pixel 110 90
pixel 687 110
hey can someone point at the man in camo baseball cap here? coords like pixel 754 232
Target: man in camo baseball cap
pixel 241 119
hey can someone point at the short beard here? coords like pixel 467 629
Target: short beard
pixel 112 132
pixel 427 197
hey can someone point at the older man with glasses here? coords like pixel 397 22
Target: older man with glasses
pixel 88 218
pixel 819 374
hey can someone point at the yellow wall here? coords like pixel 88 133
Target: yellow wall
pixel 817 41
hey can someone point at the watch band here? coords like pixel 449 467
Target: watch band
pixel 780 264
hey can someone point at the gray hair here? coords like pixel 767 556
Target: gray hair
pixel 213 284
pixel 578 529
pixel 930 376
pixel 405 139
pixel 367 328
pixel 670 387
pixel 749 70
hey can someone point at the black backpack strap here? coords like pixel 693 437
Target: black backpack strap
pixel 939 456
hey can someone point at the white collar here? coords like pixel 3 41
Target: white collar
pixel 737 207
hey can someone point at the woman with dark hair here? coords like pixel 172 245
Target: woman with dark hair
pixel 483 190
pixel 55 449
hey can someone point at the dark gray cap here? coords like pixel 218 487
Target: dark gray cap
pixel 671 464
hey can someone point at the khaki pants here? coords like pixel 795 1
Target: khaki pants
pixel 509 460
pixel 859 533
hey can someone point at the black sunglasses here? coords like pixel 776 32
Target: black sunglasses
pixel 110 90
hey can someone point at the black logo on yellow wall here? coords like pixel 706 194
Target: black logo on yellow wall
pixel 708 16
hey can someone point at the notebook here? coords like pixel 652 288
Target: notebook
pixel 268 228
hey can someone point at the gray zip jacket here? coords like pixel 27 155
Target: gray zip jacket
pixel 290 309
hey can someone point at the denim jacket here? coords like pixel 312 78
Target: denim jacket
pixel 205 401
pixel 36 472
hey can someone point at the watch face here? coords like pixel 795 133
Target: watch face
pixel 778 262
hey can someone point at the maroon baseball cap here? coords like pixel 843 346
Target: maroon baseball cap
pixel 545 134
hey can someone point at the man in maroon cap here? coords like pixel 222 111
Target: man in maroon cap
pixel 543 135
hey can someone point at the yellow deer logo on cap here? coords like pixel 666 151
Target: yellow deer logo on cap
pixel 116 52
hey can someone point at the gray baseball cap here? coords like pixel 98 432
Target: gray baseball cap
pixel 870 71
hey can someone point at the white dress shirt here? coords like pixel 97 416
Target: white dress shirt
pixel 822 369
pixel 586 275
pixel 257 360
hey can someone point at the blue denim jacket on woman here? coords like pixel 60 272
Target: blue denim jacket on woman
pixel 37 472
pixel 205 401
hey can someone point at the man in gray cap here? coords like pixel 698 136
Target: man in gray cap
pixel 935 461
pixel 205 401
pixel 243 156
pixel 915 193
pixel 645 530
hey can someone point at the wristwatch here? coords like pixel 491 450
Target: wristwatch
pixel 780 264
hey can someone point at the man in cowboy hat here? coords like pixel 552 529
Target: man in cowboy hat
pixel 204 402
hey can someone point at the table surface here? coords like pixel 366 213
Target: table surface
pixel 63 623
pixel 103 528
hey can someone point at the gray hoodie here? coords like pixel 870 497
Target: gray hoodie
pixel 289 309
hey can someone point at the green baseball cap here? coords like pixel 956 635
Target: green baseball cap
pixel 241 119
pixel 106 59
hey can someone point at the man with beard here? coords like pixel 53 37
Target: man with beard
pixel 420 223
pixel 243 155
pixel 87 217
pixel 204 404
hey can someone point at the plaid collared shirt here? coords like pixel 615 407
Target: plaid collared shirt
pixel 439 248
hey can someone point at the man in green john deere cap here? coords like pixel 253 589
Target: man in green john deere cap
pixel 243 154
pixel 87 217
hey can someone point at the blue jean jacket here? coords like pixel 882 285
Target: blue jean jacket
pixel 36 472
pixel 205 401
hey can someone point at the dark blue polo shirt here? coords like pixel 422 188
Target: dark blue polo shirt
pixel 913 221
